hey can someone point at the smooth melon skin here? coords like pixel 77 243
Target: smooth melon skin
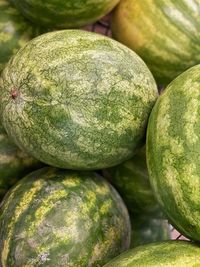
pixel 131 180
pixel 164 33
pixel 78 100
pixel 58 218
pixel 64 13
pixel 162 254
pixel 15 32
pixel 173 159
pixel 148 229
pixel 14 163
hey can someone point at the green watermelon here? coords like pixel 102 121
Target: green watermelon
pixel 173 145
pixel 64 13
pixel 15 32
pixel 78 100
pixel 14 163
pixel 148 229
pixel 131 179
pixel 63 218
pixel 163 254
pixel 164 33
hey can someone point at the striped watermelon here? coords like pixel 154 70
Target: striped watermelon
pixel 131 179
pixel 173 145
pixel 64 13
pixel 62 218
pixel 169 253
pixel 75 99
pixel 164 33
pixel 148 229
pixel 15 32
pixel 14 163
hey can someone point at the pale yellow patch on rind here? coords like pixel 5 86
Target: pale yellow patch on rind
pixel 91 200
pixel 106 206
pixel 191 114
pixel 46 205
pixel 163 122
pixel 103 246
pixel 71 182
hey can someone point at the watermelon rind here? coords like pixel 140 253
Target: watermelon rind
pixel 168 253
pixel 15 32
pixel 148 229
pixel 77 100
pixel 64 14
pixel 57 217
pixel 164 33
pixel 131 179
pixel 14 163
pixel 173 146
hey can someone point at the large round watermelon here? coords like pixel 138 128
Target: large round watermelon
pixel 15 32
pixel 64 13
pixel 14 163
pixel 131 179
pixel 173 145
pixel 164 33
pixel 147 229
pixel 62 218
pixel 169 253
pixel 75 99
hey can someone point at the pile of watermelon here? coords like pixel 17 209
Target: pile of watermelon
pixel 96 163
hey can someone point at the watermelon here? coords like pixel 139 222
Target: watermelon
pixel 168 253
pixel 56 217
pixel 147 229
pixel 131 179
pixel 78 100
pixel 15 32
pixel 173 145
pixel 64 13
pixel 164 33
pixel 14 163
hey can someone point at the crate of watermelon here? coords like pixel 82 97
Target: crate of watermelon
pixel 99 134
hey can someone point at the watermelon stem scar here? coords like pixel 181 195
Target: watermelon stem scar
pixel 14 93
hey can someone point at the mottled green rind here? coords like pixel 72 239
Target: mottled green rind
pixel 14 163
pixel 165 254
pixel 173 158
pixel 83 100
pixel 15 32
pixel 131 179
pixel 62 218
pixel 64 13
pixel 164 33
pixel 148 229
